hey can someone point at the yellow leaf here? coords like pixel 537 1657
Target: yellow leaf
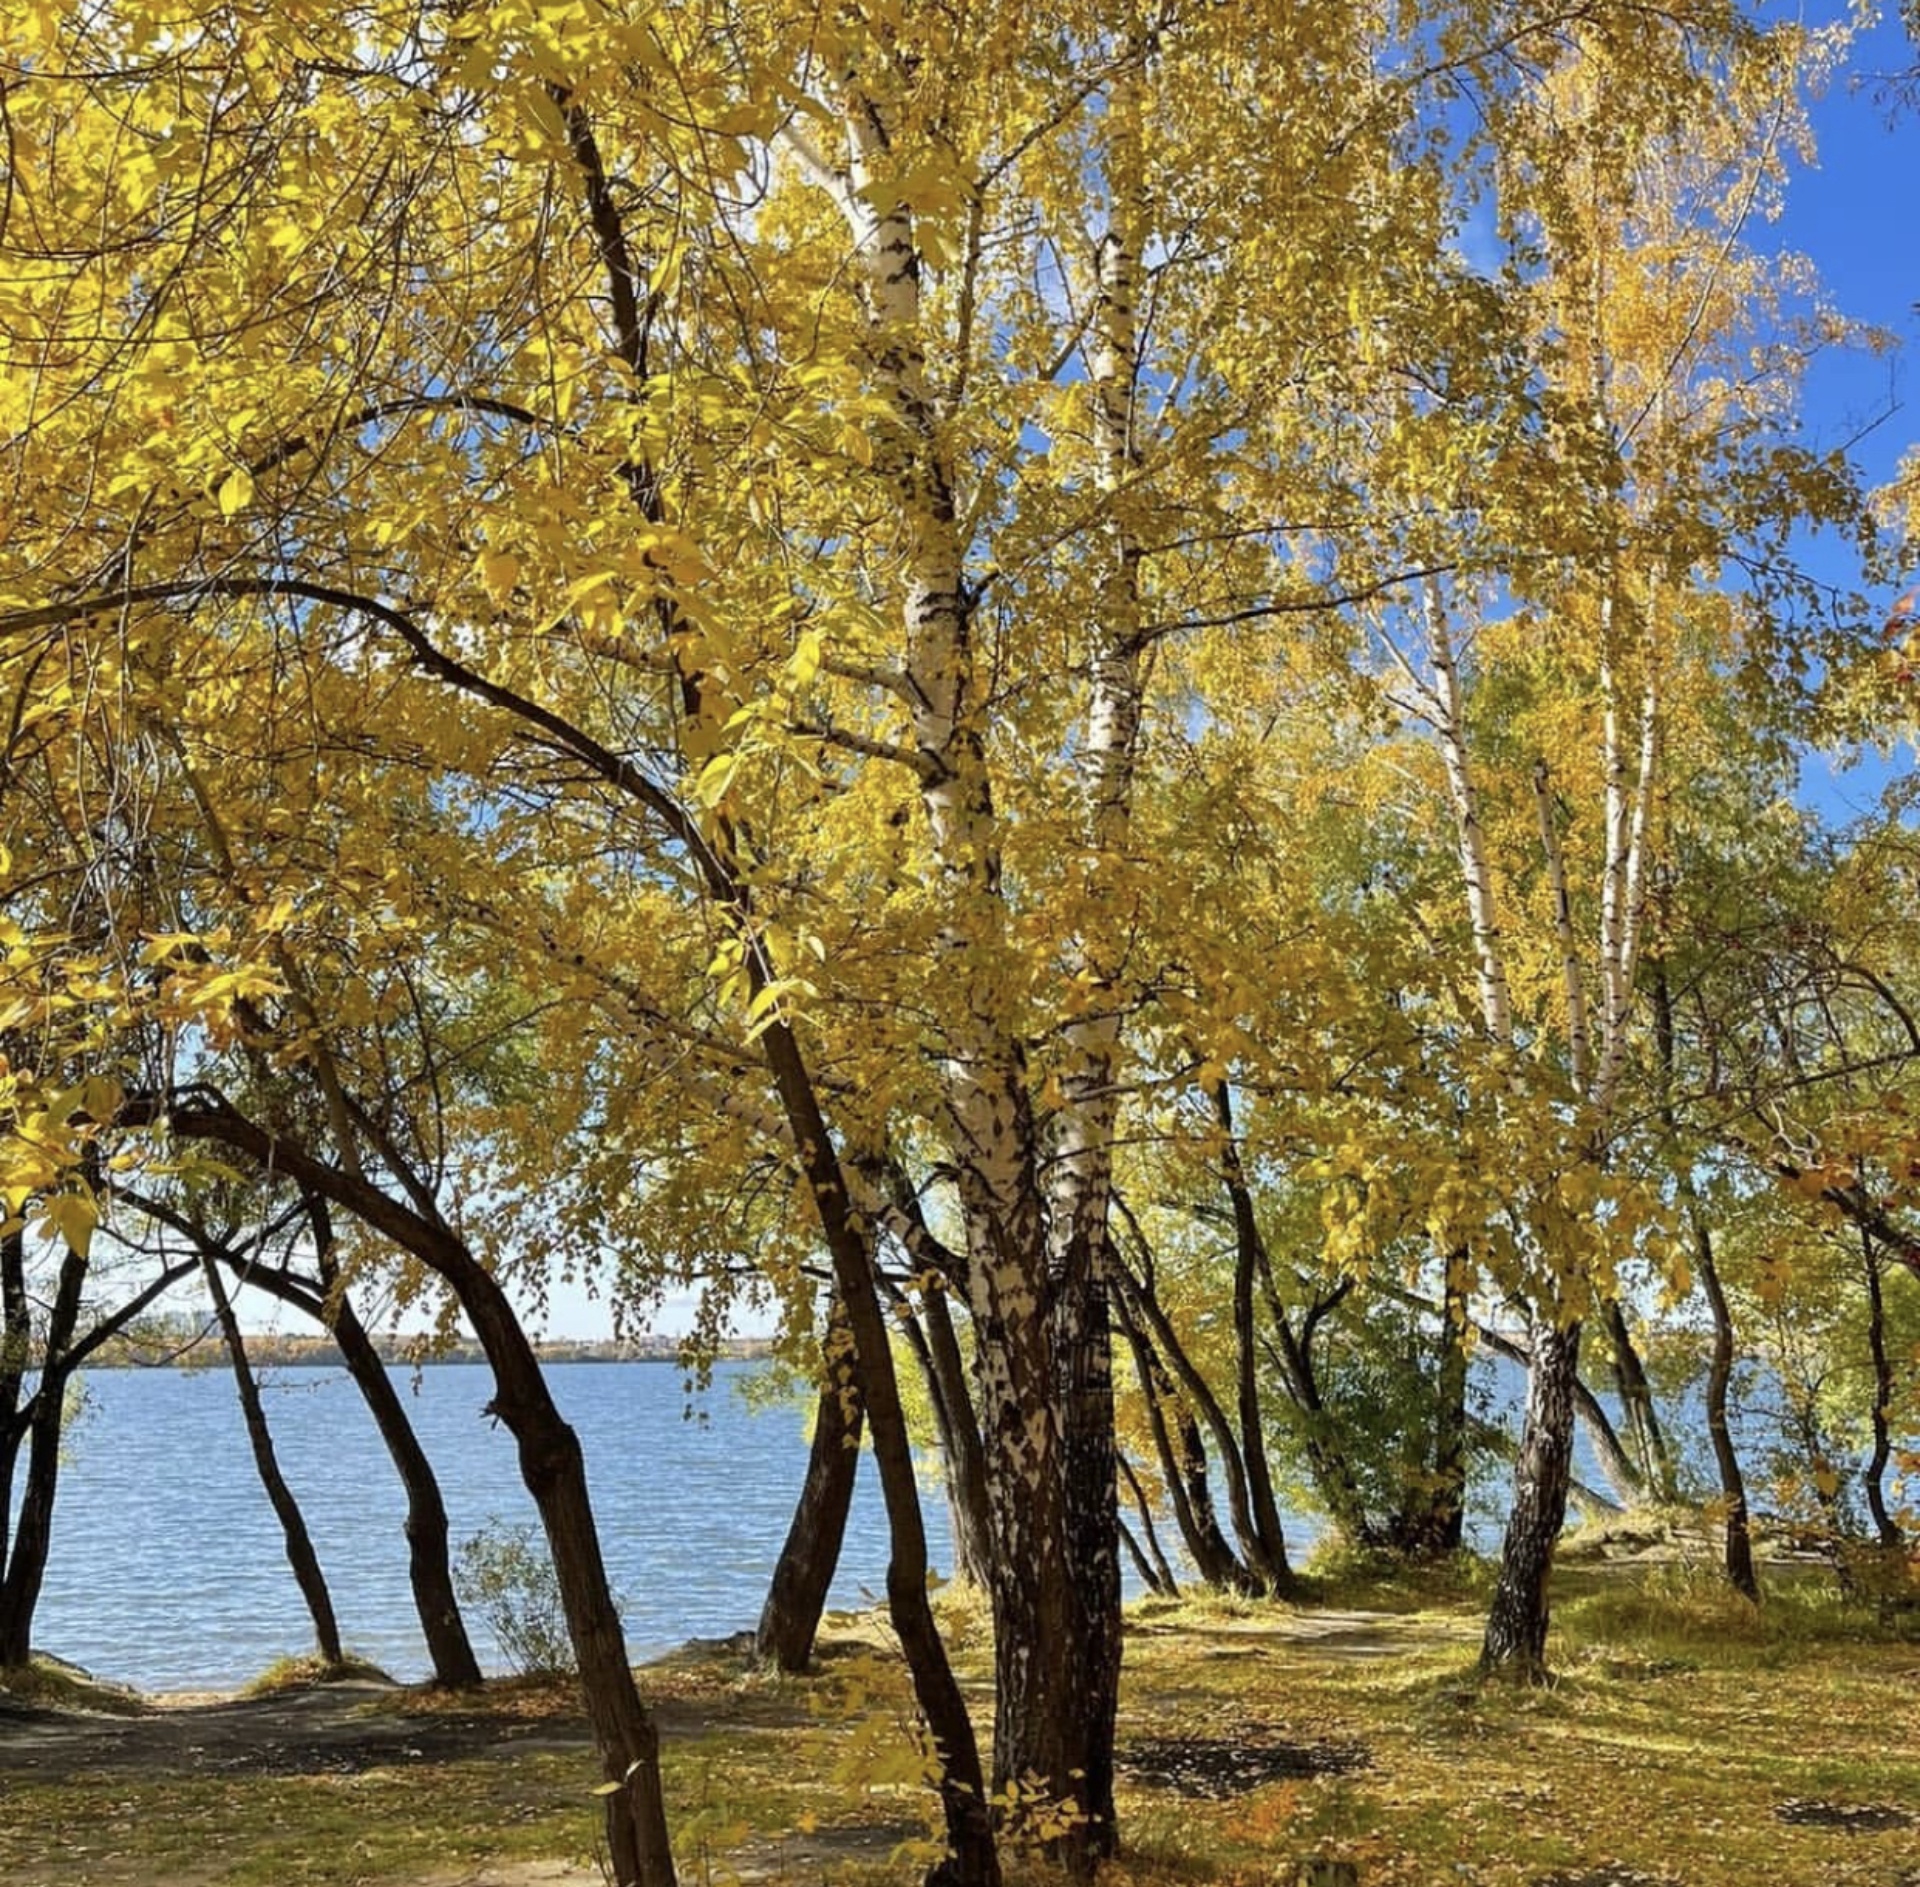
pixel 710 788
pixel 236 491
pixel 73 1216
pixel 499 572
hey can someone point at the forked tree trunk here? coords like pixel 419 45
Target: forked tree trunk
pixel 960 1446
pixel 797 1596
pixel 26 1561
pixel 1436 1523
pixel 972 1859
pixel 1516 1638
pixel 1138 1300
pixel 301 1557
pixel 1741 1572
pixel 1250 1264
pixel 33 1527
pixel 1639 1416
pixel 927 1328
pixel 1156 1574
pixel 429 1567
pixel 1183 1466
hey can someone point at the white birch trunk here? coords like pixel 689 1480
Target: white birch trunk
pixel 1081 1173
pixel 1572 983
pixel 1496 1006
pixel 989 1125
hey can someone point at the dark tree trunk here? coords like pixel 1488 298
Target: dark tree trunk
pixel 1156 1574
pixel 1516 1637
pixel 1327 1462
pixel 972 1859
pixel 624 1735
pixel 1183 1465
pixel 1249 1259
pixel 1615 1463
pixel 1083 1347
pixel 1733 1486
pixel 16 1351
pixel 429 1568
pixel 554 1471
pixel 33 1530
pixel 961 1448
pixel 301 1557
pixel 1150 1575
pixel 1431 1520
pixel 26 1562
pixel 1138 1295
pixel 1653 1461
pixel 930 1336
pixel 1445 1521
pixel 797 1596
pixel 1741 1572
pixel 1884 1525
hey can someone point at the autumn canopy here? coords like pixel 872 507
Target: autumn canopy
pixel 955 657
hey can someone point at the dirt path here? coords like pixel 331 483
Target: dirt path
pixel 328 1730
pixel 354 1725
pixel 338 1731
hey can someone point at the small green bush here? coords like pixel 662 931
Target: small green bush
pixel 506 1575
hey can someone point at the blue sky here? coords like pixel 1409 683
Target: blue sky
pixel 1857 215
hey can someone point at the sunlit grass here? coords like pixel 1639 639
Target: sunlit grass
pixel 1686 1738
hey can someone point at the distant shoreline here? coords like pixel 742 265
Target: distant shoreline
pixel 318 1352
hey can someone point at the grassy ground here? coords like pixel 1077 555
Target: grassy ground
pixel 1686 1741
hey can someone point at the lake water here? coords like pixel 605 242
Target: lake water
pixel 168 1570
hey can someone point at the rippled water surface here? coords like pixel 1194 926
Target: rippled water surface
pixel 168 1570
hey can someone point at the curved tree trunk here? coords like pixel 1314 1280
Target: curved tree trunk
pixel 1155 1572
pixel 972 1859
pixel 797 1595
pixel 429 1568
pixel 1733 1486
pixel 26 1565
pixel 1136 1294
pixel 1516 1637
pixel 1250 1259
pixel 1183 1466
pixel 301 1557
pixel 1653 1460
pixel 1615 1463
pixel 1443 1523
pixel 929 1333
pixel 551 1467
pixel 1885 1526
pixel 960 1444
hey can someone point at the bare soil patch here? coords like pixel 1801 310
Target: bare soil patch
pixel 331 1729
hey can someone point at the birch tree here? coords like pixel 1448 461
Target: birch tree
pixel 740 516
